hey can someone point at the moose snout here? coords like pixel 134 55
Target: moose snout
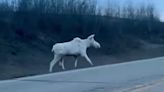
pixel 99 46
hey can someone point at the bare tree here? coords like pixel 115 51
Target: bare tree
pixel 109 11
pixel 151 12
pixel 128 10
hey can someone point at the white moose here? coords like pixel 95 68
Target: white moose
pixel 77 47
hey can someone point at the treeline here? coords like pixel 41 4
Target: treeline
pixel 82 7
pixel 51 21
pixel 131 11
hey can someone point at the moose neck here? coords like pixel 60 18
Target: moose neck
pixel 87 42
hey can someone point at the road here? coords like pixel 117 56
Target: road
pixel 124 77
pixel 156 86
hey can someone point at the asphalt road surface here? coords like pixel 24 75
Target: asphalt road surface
pixel 136 76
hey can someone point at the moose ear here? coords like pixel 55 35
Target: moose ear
pixel 91 36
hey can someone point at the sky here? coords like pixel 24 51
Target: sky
pixel 159 4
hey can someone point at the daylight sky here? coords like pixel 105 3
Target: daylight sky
pixel 159 4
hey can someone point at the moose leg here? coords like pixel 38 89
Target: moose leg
pixel 54 61
pixel 62 64
pixel 87 58
pixel 76 59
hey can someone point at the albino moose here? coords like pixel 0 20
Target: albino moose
pixel 77 47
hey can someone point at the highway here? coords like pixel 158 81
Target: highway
pixel 123 77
